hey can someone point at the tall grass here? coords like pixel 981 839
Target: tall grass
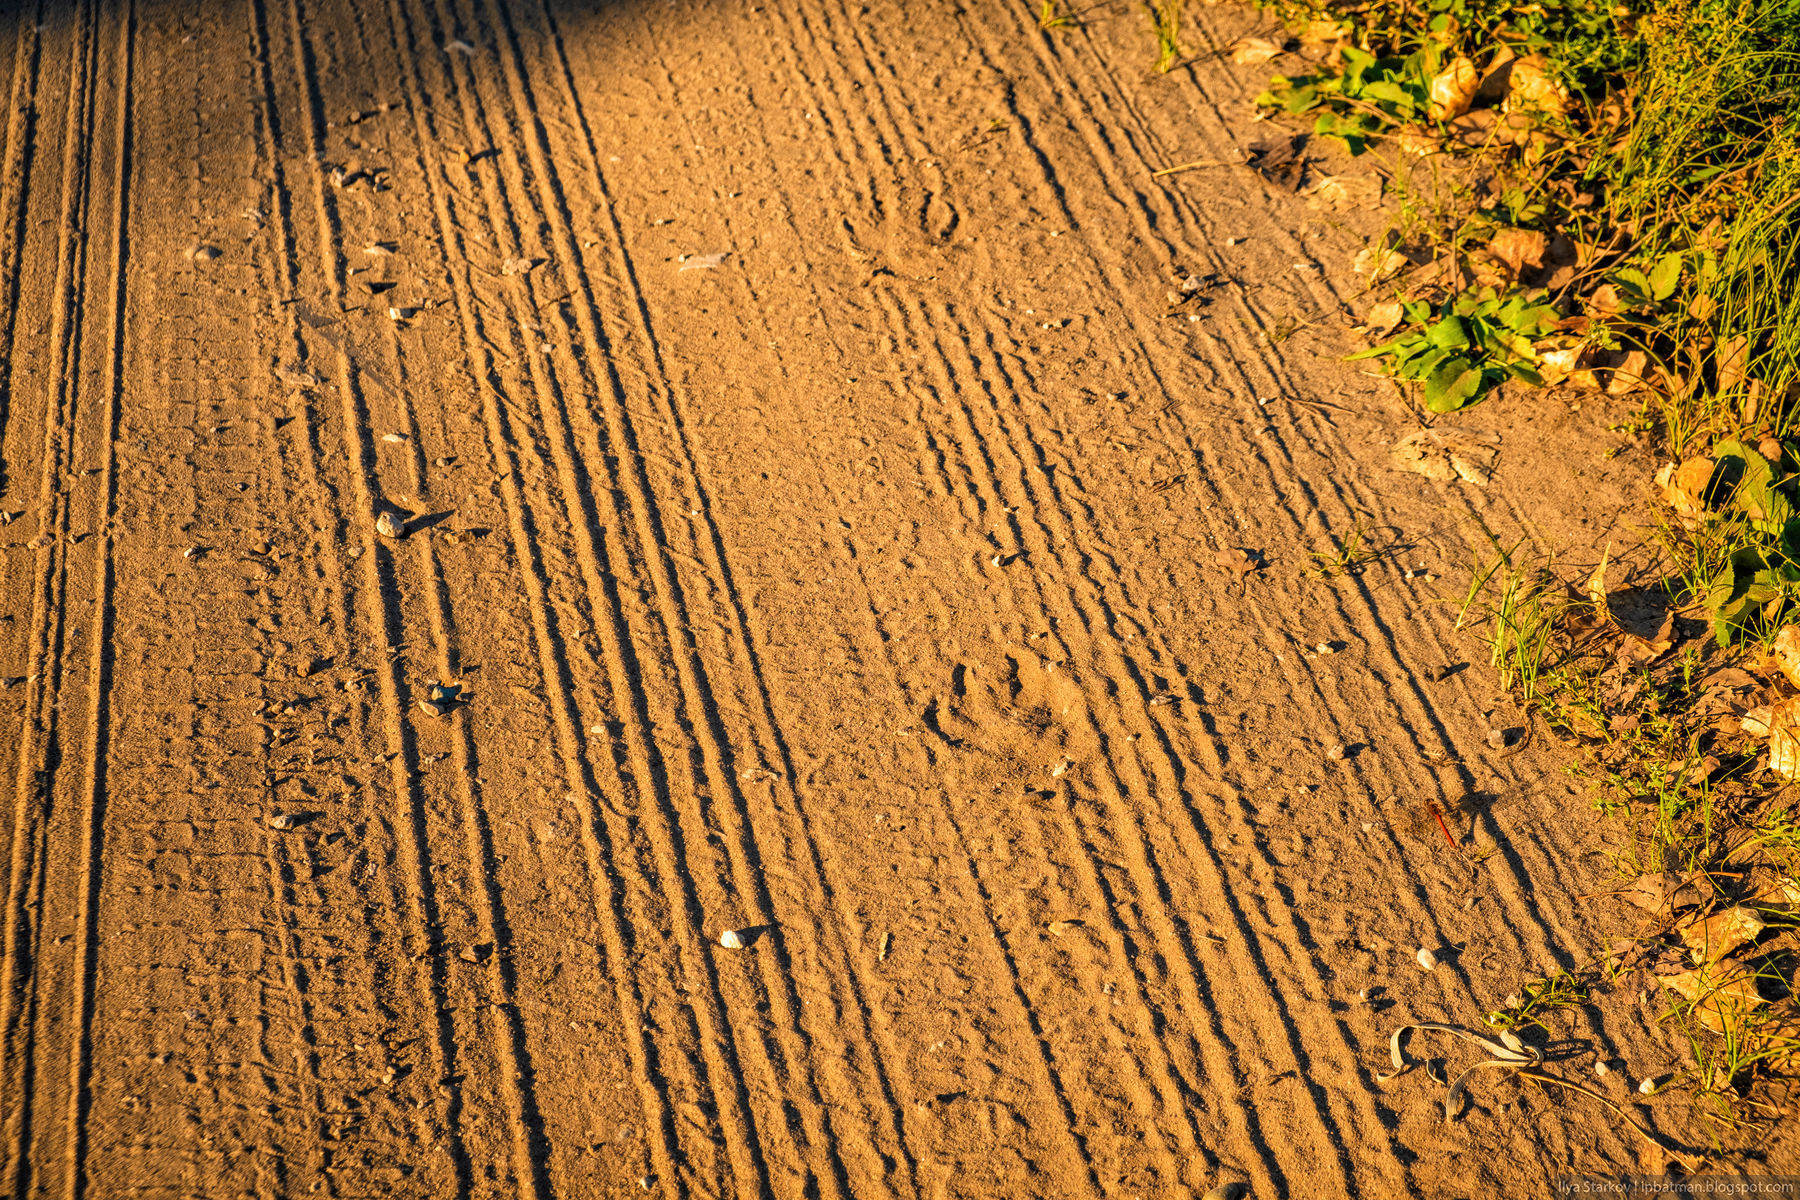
pixel 1711 167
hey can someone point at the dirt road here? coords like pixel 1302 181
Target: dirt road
pixel 857 591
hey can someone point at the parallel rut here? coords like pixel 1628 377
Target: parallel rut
pixel 855 593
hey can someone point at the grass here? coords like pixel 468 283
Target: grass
pixel 1348 555
pixel 1690 797
pixel 1531 1003
pixel 1651 144
pixel 1165 24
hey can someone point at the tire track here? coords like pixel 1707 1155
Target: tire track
pixel 99 683
pixel 764 737
pixel 620 661
pixel 26 989
pixel 973 452
pixel 1513 887
pixel 509 1076
pixel 15 187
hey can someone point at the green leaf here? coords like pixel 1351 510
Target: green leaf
pixel 1393 346
pixel 1665 276
pixel 1754 492
pixel 1390 92
pixel 1635 282
pixel 1452 385
pixel 1426 364
pixel 1448 334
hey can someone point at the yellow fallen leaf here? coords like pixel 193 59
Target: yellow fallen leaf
pixel 1252 50
pixel 1385 316
pixel 1722 933
pixel 1722 995
pixel 1519 248
pixel 1453 89
pixel 1629 374
pixel 1784 737
pixel 1732 357
pixel 1532 89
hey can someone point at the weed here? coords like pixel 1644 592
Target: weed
pixel 1520 624
pixel 1465 347
pixel 1053 15
pixel 1165 23
pixel 1530 1004
pixel 1347 556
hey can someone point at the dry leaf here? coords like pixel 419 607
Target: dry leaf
pixel 1732 358
pixel 1684 486
pixel 1643 615
pixel 1384 316
pixel 1519 248
pixel 1604 301
pixel 1234 559
pixel 1755 723
pixel 1558 365
pixel 1532 89
pixel 1252 50
pixel 1376 262
pixel 1662 891
pixel 1720 934
pixel 1785 650
pixel 1447 454
pixel 1339 192
pixel 1418 143
pixel 1628 374
pixel 1453 89
pixel 1784 737
pixel 1723 996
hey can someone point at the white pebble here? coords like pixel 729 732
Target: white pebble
pixel 731 939
pixel 1427 959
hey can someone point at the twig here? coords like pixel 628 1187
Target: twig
pixel 1191 166
pixel 1687 1164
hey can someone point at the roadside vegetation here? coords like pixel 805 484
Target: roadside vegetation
pixel 1605 195
pixel 1596 195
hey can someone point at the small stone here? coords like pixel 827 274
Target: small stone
pixel 430 709
pixel 1427 959
pixel 1058 928
pixel 393 437
pixel 280 821
pixel 1601 1069
pixel 1158 701
pixel 647 1182
pixel 1337 752
pixel 204 253
pixel 1227 1191
pixel 1647 1087
pixel 389 526
pixel 1496 739
pixel 731 939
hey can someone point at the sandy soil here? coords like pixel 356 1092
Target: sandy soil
pixel 858 592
